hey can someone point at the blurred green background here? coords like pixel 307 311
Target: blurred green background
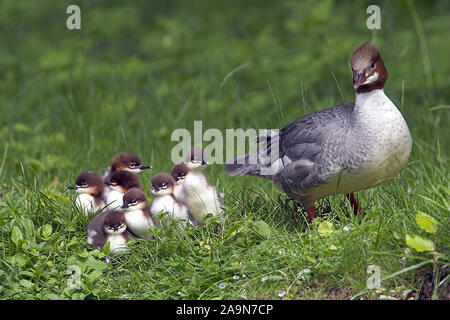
pixel 71 99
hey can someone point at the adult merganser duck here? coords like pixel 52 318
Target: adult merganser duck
pixel 339 150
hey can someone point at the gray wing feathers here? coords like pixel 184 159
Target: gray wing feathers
pixel 244 165
pixel 96 234
pixel 298 176
pixel 310 148
pixel 315 144
pixel 264 157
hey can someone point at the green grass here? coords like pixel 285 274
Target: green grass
pixel 70 100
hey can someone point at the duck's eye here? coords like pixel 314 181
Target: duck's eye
pixel 113 182
pixel 372 66
pixel 134 202
pixel 83 185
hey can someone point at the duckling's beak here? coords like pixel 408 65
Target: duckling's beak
pixel 143 167
pixel 74 187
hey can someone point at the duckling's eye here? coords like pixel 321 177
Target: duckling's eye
pixel 372 66
pixel 134 202
pixel 132 165
pixel 83 185
pixel 113 182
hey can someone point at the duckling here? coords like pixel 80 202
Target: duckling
pixel 109 226
pixel 117 185
pixel 89 187
pixel 124 161
pixel 199 195
pixel 137 212
pixel 164 201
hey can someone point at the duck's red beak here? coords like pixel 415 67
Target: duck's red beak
pixel 358 79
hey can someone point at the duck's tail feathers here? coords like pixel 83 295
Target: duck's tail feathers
pixel 265 162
